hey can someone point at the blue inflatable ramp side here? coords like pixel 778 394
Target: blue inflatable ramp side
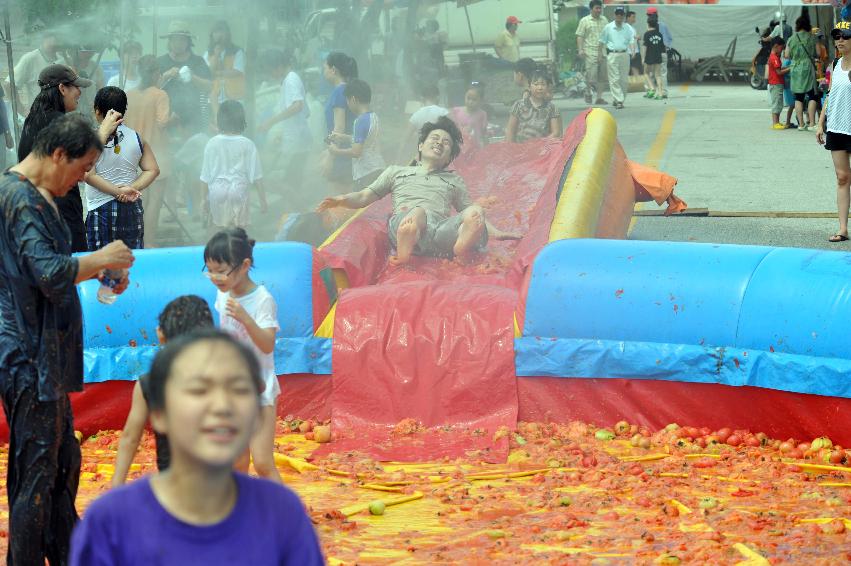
pixel 736 315
pixel 120 339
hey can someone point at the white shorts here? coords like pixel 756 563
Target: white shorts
pixel 271 389
pixel 229 204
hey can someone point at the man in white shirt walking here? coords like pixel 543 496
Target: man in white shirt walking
pixel 30 65
pixel 588 49
pixel 618 42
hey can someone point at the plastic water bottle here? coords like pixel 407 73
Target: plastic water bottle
pixel 111 278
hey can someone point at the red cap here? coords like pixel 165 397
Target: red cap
pixel 651 10
pixel 512 20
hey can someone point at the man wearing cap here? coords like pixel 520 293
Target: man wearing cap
pixel 618 42
pixel 588 48
pixel 668 40
pixel 30 65
pixel 186 79
pixel 507 44
pixel 41 338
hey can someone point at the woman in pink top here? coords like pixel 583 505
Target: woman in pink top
pixel 471 119
pixel 149 112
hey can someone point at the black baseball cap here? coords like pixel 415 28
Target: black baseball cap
pixel 620 10
pixel 55 75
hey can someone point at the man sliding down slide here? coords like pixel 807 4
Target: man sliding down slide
pixel 422 196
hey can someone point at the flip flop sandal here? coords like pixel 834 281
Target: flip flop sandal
pixel 836 238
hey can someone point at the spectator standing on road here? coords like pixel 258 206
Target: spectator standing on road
pixel 782 29
pixel 114 187
pixel 30 65
pixel 227 65
pixel 775 82
pixel 127 78
pixel 187 80
pixel 41 338
pixel 834 127
pixel 801 48
pixel 653 48
pixel 149 113
pixel 292 114
pixel 668 39
pixel 588 34
pixel 617 41
pixel 507 44
pixel 635 62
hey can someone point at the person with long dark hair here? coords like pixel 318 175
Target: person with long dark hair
pixel 339 69
pixel 227 63
pixel 60 94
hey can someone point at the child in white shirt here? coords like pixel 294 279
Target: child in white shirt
pixel 231 166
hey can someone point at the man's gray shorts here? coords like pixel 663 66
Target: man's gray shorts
pixel 439 237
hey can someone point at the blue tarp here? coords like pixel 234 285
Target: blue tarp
pixel 736 315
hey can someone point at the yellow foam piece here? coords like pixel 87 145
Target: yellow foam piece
pixel 584 188
pixel 695 528
pixel 645 458
pixel 752 557
pixel 350 510
pixel 682 508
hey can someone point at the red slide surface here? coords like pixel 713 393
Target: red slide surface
pixel 433 341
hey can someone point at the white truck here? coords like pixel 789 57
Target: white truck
pixel 487 20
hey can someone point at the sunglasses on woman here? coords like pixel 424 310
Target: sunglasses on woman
pixel 843 34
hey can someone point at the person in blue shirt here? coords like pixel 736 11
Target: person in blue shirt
pixel 204 393
pixel 617 42
pixel 339 119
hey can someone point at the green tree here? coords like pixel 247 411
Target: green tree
pixel 566 43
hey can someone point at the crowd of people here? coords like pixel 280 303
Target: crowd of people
pixel 96 160
pixel 612 51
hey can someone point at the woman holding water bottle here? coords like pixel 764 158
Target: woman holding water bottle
pixel 41 339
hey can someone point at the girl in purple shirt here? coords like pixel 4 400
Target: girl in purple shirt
pixel 204 393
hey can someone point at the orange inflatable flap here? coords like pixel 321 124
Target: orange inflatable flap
pixel 651 184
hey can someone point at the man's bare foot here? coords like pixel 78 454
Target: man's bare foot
pixel 469 234
pixel 395 261
pixel 407 236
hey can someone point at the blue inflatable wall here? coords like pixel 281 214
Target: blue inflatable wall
pixel 737 315
pixel 120 339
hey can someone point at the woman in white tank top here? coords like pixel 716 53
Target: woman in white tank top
pixel 834 128
pixel 126 167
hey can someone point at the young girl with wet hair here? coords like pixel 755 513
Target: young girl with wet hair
pixel 204 394
pixel 248 312
pixel 231 166
pixel 472 118
pixel 183 315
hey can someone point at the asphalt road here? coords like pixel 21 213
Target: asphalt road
pixel 728 159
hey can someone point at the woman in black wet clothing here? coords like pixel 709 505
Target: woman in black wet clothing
pixel 60 93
